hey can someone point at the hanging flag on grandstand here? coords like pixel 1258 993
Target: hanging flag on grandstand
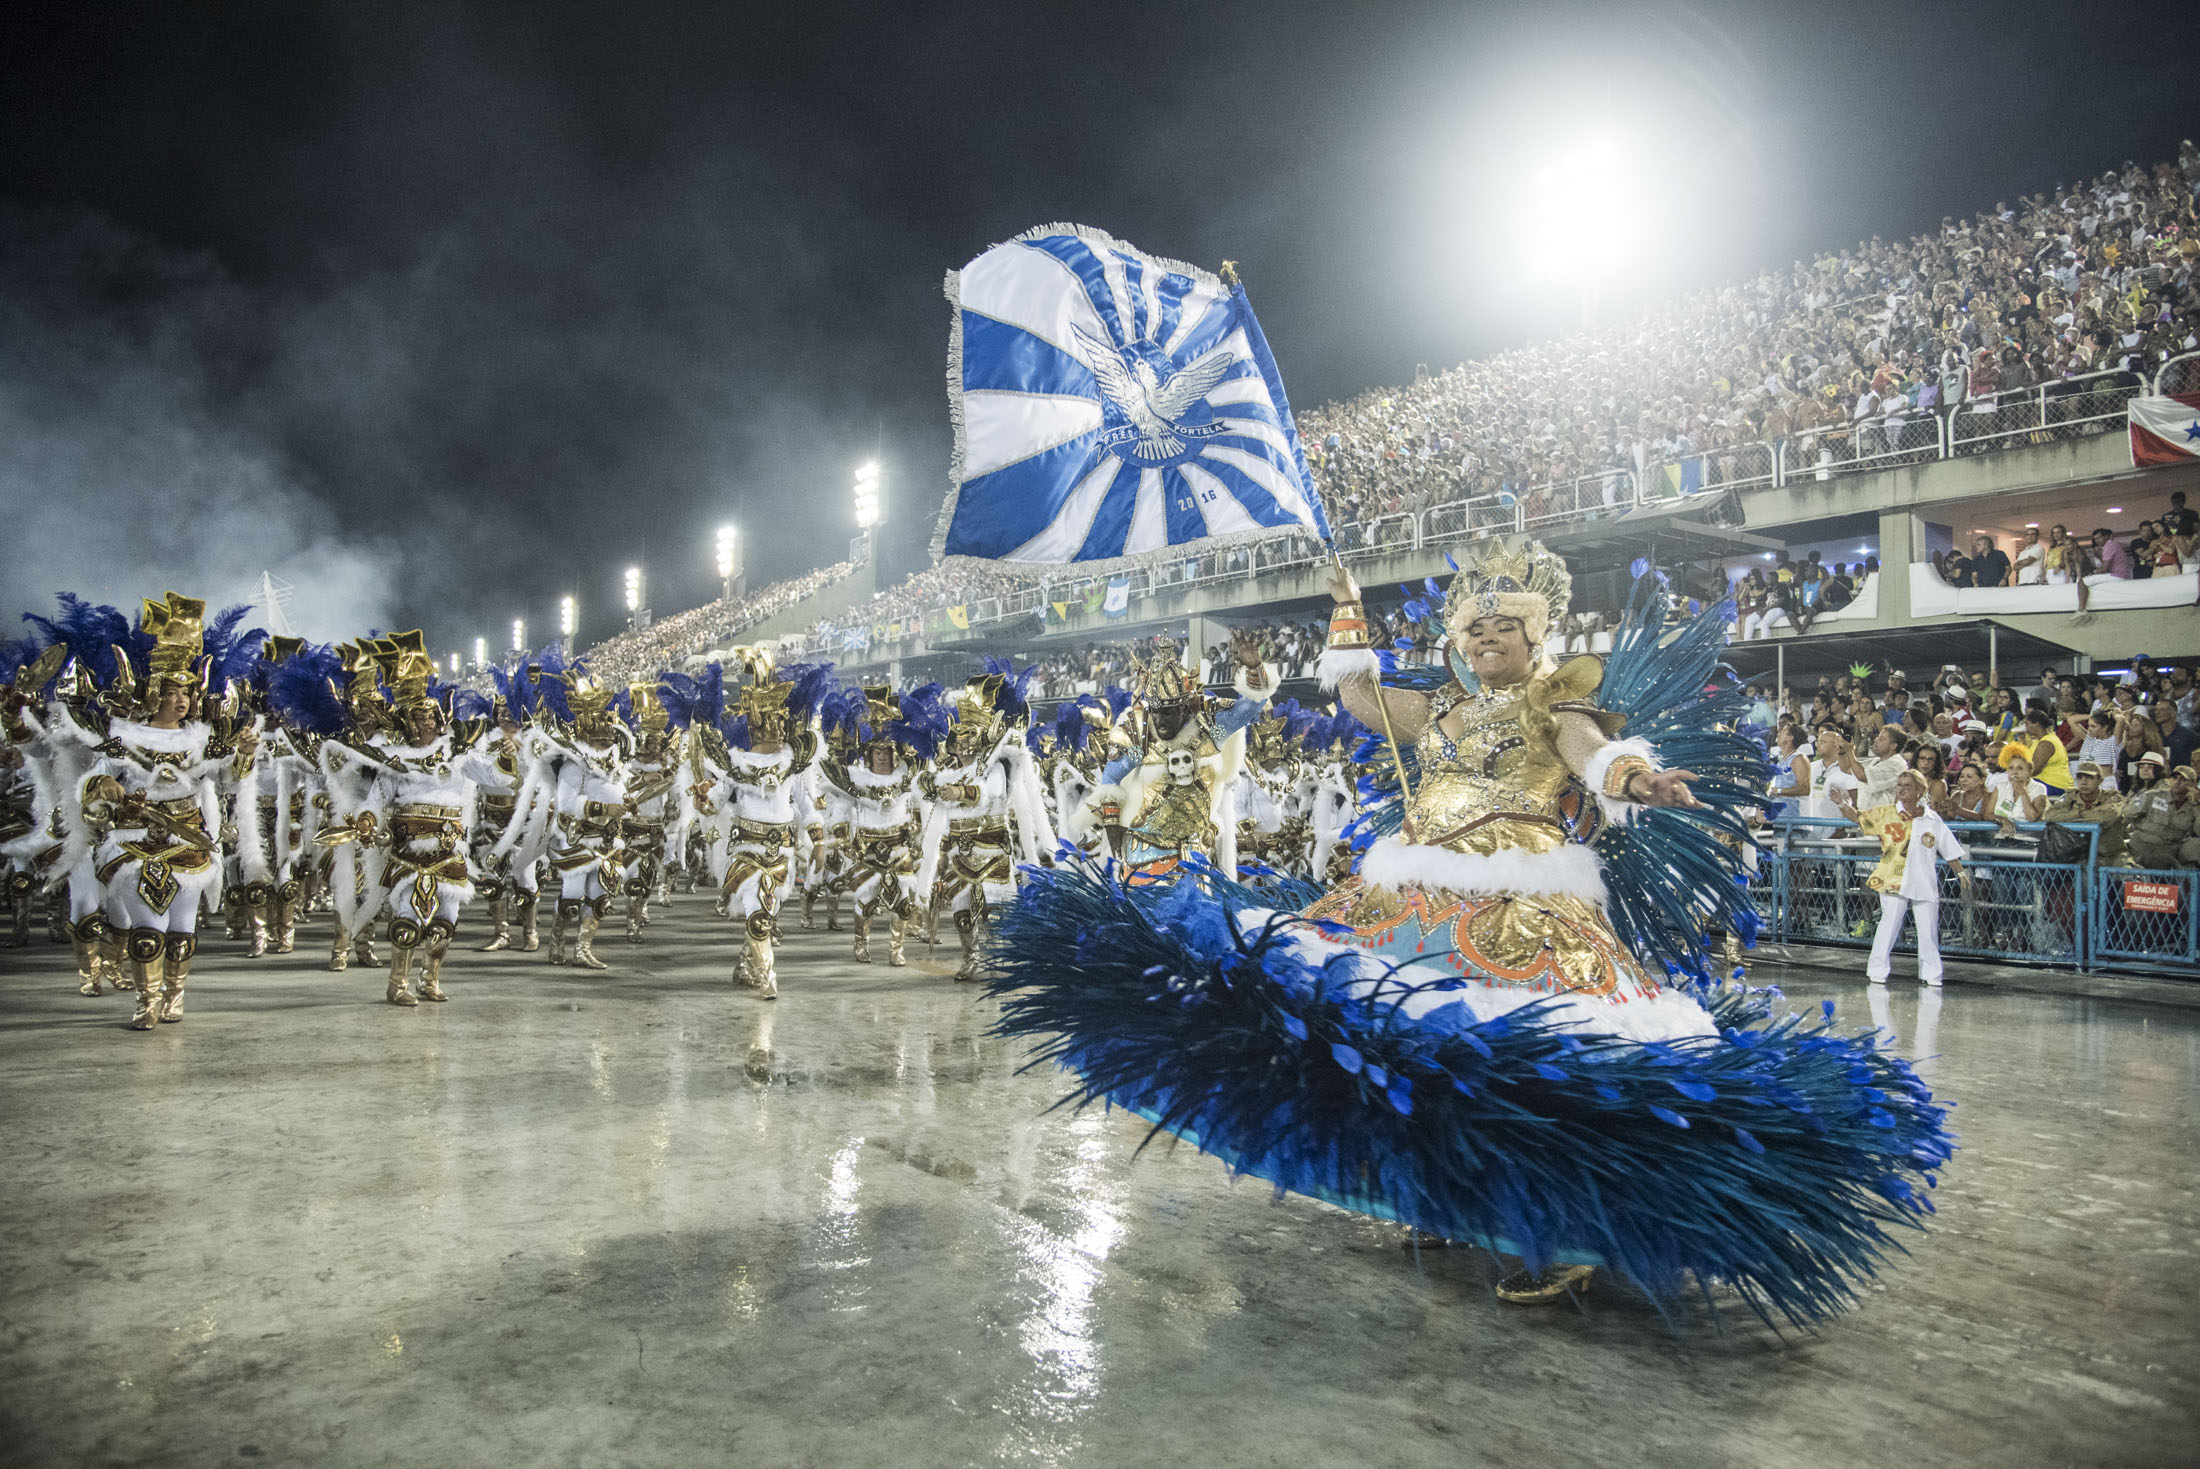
pixel 1112 407
pixel 1684 478
pixel 1119 598
pixel 2165 430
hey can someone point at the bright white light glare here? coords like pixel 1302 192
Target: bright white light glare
pixel 519 634
pixel 633 589
pixel 454 665
pixel 1582 211
pixel 568 616
pixel 868 497
pixel 726 534
pixel 481 652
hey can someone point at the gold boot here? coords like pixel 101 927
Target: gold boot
pixel 809 904
pixel 84 939
pixel 287 899
pixel 256 898
pixel 339 954
pixel 529 939
pixel 863 933
pixel 1736 968
pixel 584 952
pixel 181 946
pixel 439 938
pixel 405 936
pixel 1532 1288
pixel 114 957
pixel 966 929
pixel 569 909
pixel 832 910
pixel 756 970
pixel 147 946
pixel 896 932
pixel 500 914
pixel 362 950
pixel 636 917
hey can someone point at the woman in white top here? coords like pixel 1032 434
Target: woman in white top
pixel 2030 564
pixel 2014 796
pixel 2100 746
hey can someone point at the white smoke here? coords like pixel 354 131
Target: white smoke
pixel 126 465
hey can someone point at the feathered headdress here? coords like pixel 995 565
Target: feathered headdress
pixel 302 691
pixel 91 632
pixel 231 658
pixel 1526 582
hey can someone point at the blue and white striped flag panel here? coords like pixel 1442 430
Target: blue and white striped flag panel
pixel 1112 407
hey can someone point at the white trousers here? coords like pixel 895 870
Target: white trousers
pixel 1927 914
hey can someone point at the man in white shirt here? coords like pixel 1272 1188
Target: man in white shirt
pixel 1913 842
pixel 1882 768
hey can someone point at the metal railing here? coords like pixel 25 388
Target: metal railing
pixel 2181 374
pixel 2065 409
pixel 2041 413
pixel 1811 886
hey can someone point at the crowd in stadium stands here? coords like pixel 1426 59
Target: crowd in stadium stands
pixel 663 644
pixel 2095 277
pixel 2115 752
pixel 1852 346
pixel 2164 546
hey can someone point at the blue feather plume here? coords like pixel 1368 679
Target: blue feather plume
pixel 1777 1158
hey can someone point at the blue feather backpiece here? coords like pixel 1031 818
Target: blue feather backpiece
pixel 1667 874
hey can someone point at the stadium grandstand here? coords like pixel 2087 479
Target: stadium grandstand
pixel 1847 428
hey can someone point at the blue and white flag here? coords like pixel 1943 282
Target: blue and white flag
pixel 1118 603
pixel 1111 407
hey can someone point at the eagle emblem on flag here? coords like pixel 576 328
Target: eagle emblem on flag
pixel 1112 407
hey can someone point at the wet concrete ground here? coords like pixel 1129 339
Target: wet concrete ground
pixel 643 1218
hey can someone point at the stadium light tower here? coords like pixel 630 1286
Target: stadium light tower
pixel 481 654
pixel 454 665
pixel 1582 217
pixel 870 502
pixel 569 618
pixel 519 634
pixel 729 558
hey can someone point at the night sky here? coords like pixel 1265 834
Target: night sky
pixel 443 310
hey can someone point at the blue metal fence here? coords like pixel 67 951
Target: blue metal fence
pixel 1811 887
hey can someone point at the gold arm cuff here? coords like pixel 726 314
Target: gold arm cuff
pixel 1348 626
pixel 1620 772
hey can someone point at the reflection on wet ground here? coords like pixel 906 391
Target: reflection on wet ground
pixel 643 1218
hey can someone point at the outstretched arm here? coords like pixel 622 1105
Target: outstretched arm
pixel 1350 667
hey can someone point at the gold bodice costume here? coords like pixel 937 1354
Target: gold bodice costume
pixel 1505 784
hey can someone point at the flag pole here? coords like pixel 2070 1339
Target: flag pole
pixel 1382 710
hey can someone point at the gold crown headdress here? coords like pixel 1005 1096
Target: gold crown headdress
pixel 177 624
pixel 1525 582
pixel 1163 678
pixel 649 711
pixel 406 667
pixel 281 649
pixel 977 710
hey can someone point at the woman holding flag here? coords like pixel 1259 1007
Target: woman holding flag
pixel 1503 1029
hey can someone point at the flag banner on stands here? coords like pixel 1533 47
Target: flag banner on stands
pixel 1684 478
pixel 960 617
pixel 1094 596
pixel 1111 407
pixel 2165 430
pixel 1119 597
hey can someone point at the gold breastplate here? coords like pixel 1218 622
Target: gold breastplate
pixel 1498 784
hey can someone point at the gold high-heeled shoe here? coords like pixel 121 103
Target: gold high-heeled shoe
pixel 1527 1288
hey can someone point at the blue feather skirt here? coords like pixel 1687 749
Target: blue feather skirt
pixel 1767 1152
